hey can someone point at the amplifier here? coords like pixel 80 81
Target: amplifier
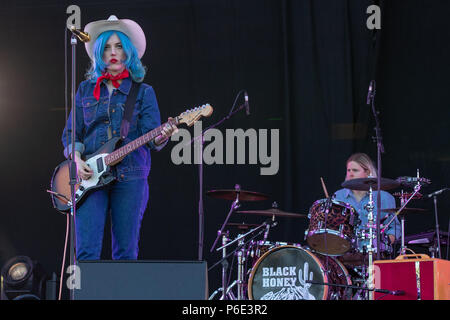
pixel 142 280
pixel 417 275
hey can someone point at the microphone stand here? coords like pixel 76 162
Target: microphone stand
pixel 380 150
pixel 200 138
pixel 73 165
pixel 394 293
pixel 435 194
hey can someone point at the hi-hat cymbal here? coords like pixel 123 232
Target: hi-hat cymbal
pixel 232 194
pixel 405 210
pixel 364 184
pixel 274 212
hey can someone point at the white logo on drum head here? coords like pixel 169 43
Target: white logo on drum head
pixel 280 277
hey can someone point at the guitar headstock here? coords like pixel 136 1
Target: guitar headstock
pixel 189 117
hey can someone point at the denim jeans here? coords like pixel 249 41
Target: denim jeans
pixel 127 201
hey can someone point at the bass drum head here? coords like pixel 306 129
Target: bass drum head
pixel 282 274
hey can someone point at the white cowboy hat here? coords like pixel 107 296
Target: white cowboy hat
pixel 128 27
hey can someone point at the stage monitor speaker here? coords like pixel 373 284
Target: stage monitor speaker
pixel 142 280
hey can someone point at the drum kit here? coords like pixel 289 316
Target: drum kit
pixel 332 265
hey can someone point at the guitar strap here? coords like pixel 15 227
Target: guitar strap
pixel 128 111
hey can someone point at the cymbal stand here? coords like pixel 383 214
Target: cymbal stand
pixel 225 292
pixel 404 202
pixel 370 207
pixel 235 205
pixel 241 271
pixel 241 256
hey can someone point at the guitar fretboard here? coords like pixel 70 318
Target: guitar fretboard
pixel 118 154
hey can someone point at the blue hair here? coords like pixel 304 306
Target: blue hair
pixel 132 62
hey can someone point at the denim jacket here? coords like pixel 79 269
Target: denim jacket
pixel 99 121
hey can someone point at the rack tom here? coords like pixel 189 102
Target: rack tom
pixel 332 227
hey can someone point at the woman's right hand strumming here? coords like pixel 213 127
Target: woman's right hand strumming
pixel 83 170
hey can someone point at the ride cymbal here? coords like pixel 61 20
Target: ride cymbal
pixel 364 184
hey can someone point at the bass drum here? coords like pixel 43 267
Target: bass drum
pixel 285 272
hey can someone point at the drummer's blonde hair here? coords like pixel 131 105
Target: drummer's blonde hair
pixel 365 162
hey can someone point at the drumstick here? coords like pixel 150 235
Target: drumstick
pixel 324 188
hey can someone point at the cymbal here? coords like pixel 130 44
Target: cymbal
pixel 363 184
pixel 406 195
pixel 243 195
pixel 405 210
pixel 412 181
pixel 274 212
pixel 242 226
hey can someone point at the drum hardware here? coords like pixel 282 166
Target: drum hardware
pixel 403 202
pixel 391 292
pixel 242 226
pixel 428 240
pixel 241 253
pixel 274 212
pixel 434 195
pixel 371 237
pixel 241 270
pixel 242 195
pixel 235 205
pixel 412 181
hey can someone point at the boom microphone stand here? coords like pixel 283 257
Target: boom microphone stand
pixel 73 166
pixel 380 150
pixel 201 141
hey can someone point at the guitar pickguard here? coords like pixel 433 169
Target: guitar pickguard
pixel 98 166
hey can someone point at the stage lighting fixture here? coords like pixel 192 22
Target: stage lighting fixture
pixel 23 279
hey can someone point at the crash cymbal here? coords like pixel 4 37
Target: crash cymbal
pixel 274 212
pixel 243 195
pixel 405 210
pixel 363 184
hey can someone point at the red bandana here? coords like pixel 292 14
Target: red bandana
pixel 114 80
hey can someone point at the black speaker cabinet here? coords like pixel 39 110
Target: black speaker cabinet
pixel 142 280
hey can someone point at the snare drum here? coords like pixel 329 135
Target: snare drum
pixel 283 273
pixel 332 227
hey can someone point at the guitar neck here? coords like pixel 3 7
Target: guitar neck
pixel 117 155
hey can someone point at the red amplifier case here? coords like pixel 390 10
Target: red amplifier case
pixel 417 275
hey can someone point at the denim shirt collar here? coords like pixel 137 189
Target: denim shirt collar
pixel 124 86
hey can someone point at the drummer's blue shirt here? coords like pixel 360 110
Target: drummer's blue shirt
pixel 387 202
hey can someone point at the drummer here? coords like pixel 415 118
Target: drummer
pixel 359 165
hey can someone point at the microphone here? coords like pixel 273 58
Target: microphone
pixel 247 107
pixel 370 93
pixel 83 36
pixel 398 293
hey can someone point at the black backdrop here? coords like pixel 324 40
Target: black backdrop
pixel 306 66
